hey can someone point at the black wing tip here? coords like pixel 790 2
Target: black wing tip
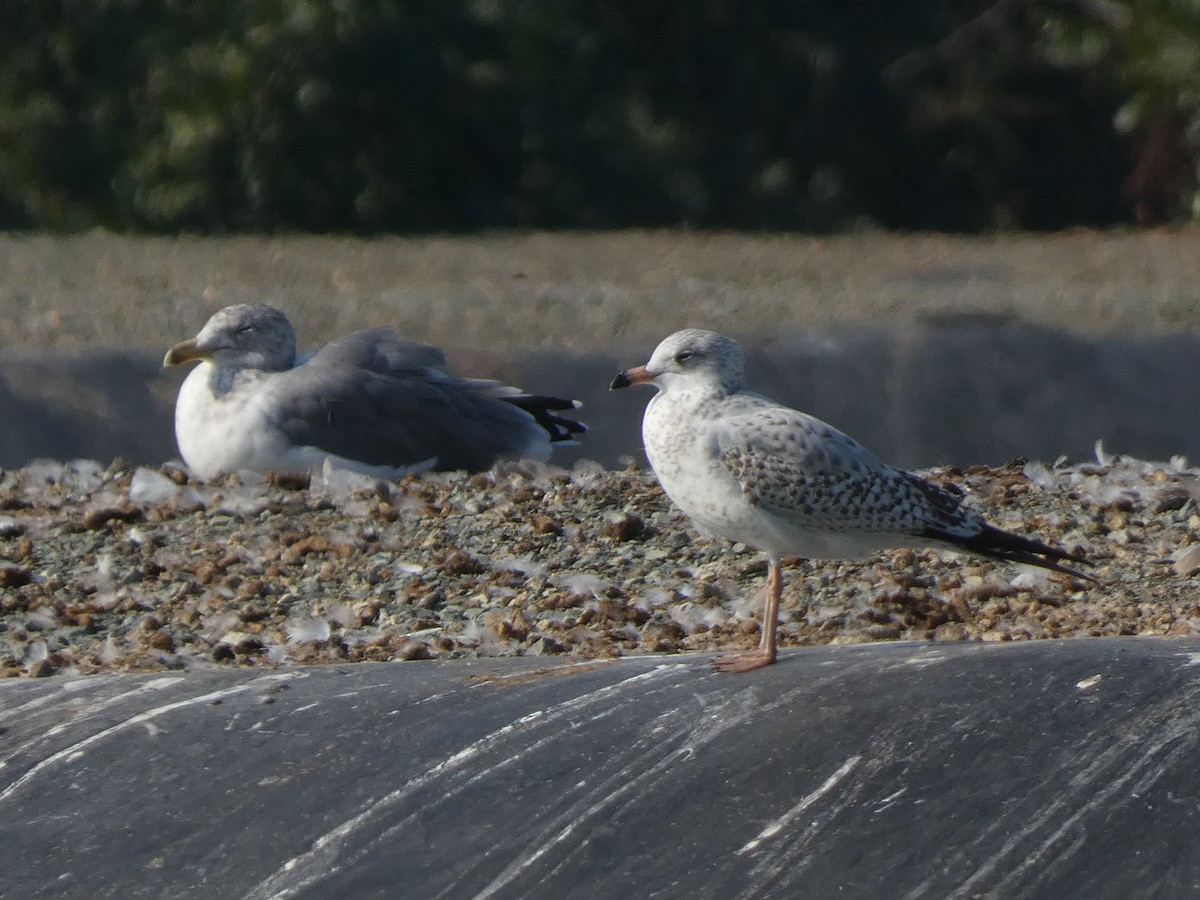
pixel 996 543
pixel 544 408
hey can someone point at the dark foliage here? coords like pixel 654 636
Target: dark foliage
pixel 412 115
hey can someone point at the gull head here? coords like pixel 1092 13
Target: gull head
pixel 690 357
pixel 246 336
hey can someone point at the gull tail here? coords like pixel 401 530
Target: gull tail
pixel 545 411
pixel 995 543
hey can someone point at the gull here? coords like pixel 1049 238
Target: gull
pixel 748 469
pixel 369 402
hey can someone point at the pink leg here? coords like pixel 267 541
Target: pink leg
pixel 765 654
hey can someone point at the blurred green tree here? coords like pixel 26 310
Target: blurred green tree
pixel 416 115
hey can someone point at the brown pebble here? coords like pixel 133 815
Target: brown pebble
pixel 507 623
pixel 249 644
pixel 883 632
pixel 459 562
pixel 12 575
pixel 318 543
pixel 99 516
pixel 544 524
pixel 290 481
pixel 162 640
pixel 176 474
pixel 624 527
pixel 255 612
pixel 223 653
pixel 251 587
pixel 41 669
pixel 413 649
pixel 367 613
pixel 950 631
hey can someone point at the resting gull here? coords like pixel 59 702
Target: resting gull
pixel 369 402
pixel 748 469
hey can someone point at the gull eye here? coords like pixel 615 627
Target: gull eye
pixel 683 356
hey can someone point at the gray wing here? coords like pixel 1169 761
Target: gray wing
pixel 378 350
pixel 813 475
pixel 374 398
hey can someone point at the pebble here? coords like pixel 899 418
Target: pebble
pixel 142 569
pixel 1188 563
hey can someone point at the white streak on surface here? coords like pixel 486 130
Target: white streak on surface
pixel 629 783
pixel 320 861
pixel 634 780
pixel 773 828
pixel 1043 838
pixel 73 686
pixel 74 751
pixel 92 707
pixel 1145 769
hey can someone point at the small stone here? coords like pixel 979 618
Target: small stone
pixel 12 575
pixel 624 526
pixel 950 631
pixel 176 474
pixel 883 632
pixel 99 516
pixel 413 649
pixel 290 481
pixel 1188 563
pixel 1170 500
pixel 41 668
pixel 508 624
pixel 544 646
pixel 223 653
pixel 459 562
pixel 544 524
pixel 162 640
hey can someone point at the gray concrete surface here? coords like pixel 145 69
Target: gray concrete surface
pixel 1042 770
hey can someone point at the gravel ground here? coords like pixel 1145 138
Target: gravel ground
pixel 120 569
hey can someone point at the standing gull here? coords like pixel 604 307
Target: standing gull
pixel 748 469
pixel 368 402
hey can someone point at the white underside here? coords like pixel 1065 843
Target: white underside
pixel 219 435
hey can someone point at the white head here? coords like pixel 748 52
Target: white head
pixel 694 357
pixel 246 336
